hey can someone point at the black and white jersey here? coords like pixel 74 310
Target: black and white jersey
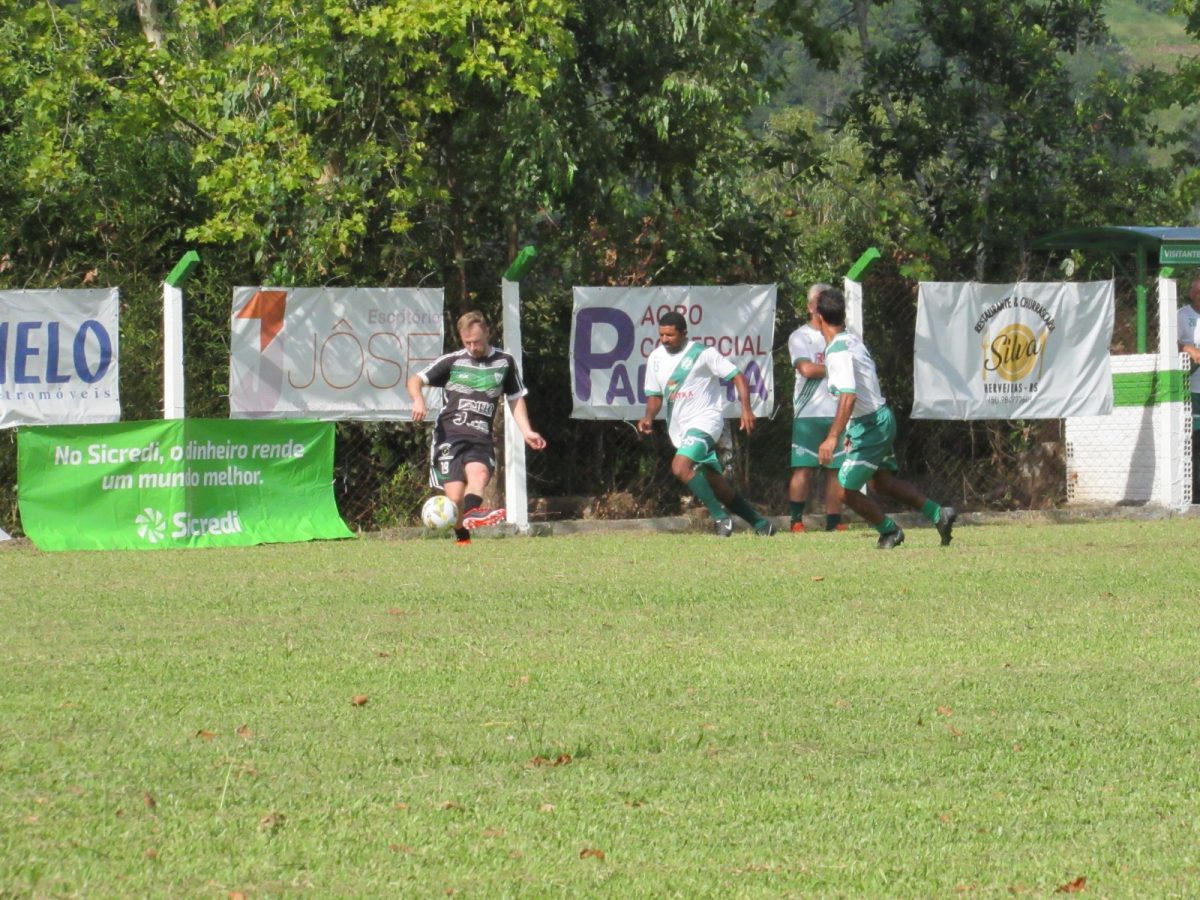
pixel 473 388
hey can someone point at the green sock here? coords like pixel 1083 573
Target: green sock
pixel 704 493
pixel 832 521
pixel 887 526
pixel 745 510
pixel 796 510
pixel 931 511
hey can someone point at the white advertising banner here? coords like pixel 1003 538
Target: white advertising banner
pixel 330 353
pixel 614 329
pixel 1030 350
pixel 58 357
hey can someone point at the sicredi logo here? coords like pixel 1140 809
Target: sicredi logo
pixel 152 525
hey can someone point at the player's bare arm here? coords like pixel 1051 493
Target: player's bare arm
pixel 743 392
pixel 416 391
pixel 646 423
pixel 810 369
pixel 521 416
pixel 840 420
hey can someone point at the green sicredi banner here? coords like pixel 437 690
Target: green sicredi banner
pixel 177 483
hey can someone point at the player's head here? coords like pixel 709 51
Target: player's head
pixel 672 331
pixel 831 306
pixel 813 293
pixel 475 333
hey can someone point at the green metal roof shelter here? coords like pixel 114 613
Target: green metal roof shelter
pixel 1169 246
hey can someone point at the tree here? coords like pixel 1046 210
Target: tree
pixel 973 107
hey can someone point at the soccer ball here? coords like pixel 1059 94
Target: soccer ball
pixel 439 512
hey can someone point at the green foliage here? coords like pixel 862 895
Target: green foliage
pixel 975 108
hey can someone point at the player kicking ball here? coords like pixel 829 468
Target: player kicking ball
pixel 463 455
pixel 864 417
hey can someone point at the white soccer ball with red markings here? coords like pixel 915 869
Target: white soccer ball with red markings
pixel 439 512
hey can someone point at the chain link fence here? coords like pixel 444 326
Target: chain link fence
pixel 607 470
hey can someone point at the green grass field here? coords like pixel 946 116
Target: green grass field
pixel 626 714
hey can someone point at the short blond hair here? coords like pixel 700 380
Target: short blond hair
pixel 474 317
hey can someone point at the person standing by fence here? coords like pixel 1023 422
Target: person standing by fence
pixel 1189 343
pixel 813 408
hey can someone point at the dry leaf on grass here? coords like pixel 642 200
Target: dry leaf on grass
pixel 1078 886
pixel 205 735
pixel 561 760
pixel 360 699
pixel 591 853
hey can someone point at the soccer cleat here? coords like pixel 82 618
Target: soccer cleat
pixel 945 524
pixel 840 526
pixel 462 537
pixel 766 528
pixel 723 527
pixel 463 542
pixel 891 540
pixel 797 528
pixel 481 517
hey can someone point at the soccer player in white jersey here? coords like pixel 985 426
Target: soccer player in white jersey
pixel 813 408
pixel 462 456
pixel 689 377
pixel 864 417
pixel 1189 343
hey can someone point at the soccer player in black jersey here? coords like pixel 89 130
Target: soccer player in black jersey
pixel 463 457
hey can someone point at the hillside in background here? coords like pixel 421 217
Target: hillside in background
pixel 1143 34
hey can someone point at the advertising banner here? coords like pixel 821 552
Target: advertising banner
pixel 330 353
pixel 1031 350
pixel 177 483
pixel 614 329
pixel 58 357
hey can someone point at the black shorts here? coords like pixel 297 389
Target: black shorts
pixel 448 460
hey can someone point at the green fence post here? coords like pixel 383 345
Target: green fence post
pixel 869 256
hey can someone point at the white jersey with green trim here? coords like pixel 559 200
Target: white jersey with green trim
pixel 699 399
pixel 1189 333
pixel 811 398
pixel 850 370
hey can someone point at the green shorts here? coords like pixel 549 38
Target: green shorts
pixel 807 437
pixel 701 448
pixel 871 448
